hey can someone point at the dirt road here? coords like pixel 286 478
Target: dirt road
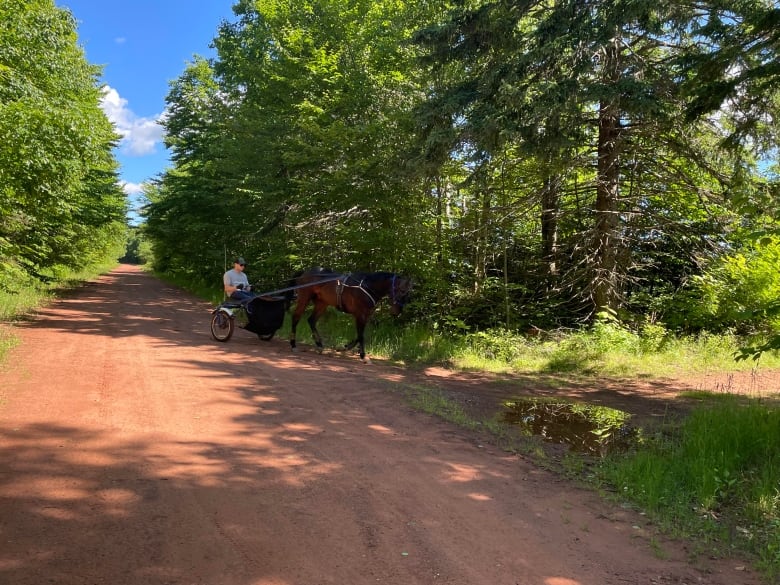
pixel 136 450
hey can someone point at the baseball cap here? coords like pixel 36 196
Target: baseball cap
pixel 240 260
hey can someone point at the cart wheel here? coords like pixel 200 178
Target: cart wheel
pixel 222 326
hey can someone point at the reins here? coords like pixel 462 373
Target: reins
pixel 341 281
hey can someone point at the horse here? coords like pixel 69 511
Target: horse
pixel 356 293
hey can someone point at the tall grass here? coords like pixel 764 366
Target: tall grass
pixel 716 476
pixel 605 350
pixel 26 298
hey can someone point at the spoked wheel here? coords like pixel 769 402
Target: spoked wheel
pixel 222 326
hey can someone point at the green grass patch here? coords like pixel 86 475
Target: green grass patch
pixel 26 294
pixel 715 477
pixel 604 351
pixel 438 403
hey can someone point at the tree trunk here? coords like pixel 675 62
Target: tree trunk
pixel 439 227
pixel 484 222
pixel 605 279
pixel 550 207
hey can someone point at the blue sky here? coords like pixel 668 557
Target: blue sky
pixel 142 46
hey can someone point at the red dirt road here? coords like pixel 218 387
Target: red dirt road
pixel 134 449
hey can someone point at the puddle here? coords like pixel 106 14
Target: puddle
pixel 596 430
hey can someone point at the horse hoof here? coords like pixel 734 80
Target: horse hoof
pixel 294 349
pixel 366 360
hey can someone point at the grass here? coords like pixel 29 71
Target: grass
pixel 602 352
pixel 7 342
pixel 715 477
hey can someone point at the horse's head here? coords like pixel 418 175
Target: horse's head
pixel 400 294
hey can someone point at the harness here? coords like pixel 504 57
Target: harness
pixel 340 284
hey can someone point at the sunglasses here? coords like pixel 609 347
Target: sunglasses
pixel 240 264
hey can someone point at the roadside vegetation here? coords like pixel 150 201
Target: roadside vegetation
pixel 62 208
pixel 713 477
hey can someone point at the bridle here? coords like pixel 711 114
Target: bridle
pixel 393 299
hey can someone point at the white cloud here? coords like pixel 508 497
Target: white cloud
pixel 132 188
pixel 135 198
pixel 139 135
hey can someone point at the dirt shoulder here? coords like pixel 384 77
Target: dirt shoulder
pixel 134 449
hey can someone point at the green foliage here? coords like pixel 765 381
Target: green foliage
pixel 61 206
pixel 736 63
pixel 518 84
pixel 496 344
pixel 288 145
pixel 33 293
pixel 717 473
pixel 137 249
pixel 736 290
pixel 521 182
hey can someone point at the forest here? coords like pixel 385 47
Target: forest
pixel 530 164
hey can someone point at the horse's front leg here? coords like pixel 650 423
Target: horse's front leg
pixel 360 325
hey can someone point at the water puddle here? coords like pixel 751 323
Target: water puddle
pixel 596 430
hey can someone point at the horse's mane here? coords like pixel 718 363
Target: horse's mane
pixel 371 276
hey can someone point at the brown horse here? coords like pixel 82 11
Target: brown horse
pixel 356 293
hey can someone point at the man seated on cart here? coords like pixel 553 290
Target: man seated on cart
pixel 236 282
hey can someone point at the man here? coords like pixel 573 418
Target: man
pixel 236 283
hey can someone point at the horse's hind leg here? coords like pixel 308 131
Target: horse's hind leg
pixel 319 309
pixel 299 309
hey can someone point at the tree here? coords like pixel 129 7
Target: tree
pixel 193 211
pixel 294 137
pixel 60 201
pixel 582 88
pixel 734 68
